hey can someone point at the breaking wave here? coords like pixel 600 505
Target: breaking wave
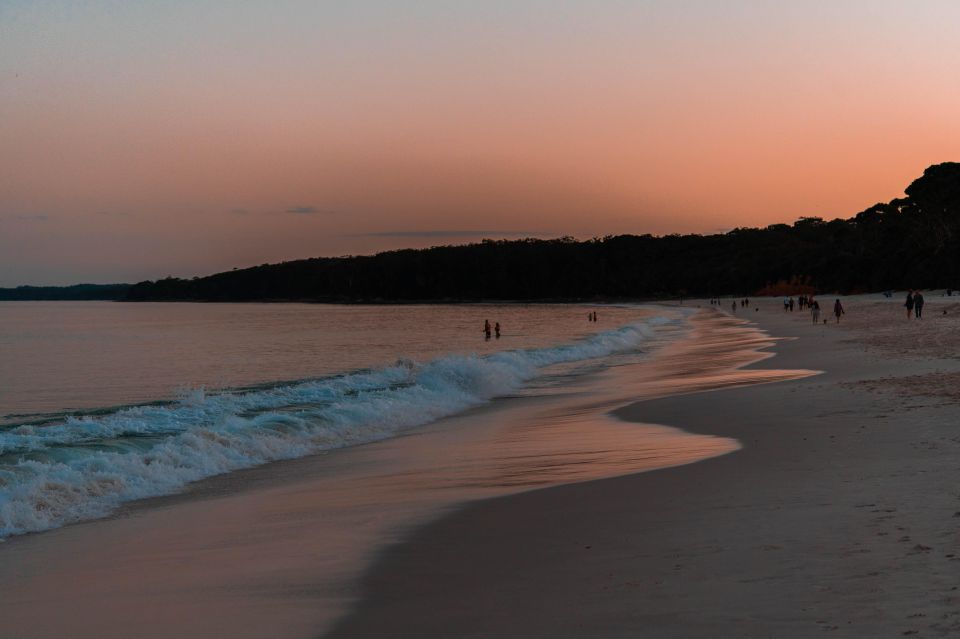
pixel 83 467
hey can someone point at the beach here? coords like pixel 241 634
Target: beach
pixel 276 550
pixel 839 514
pixel 353 320
pixel 772 480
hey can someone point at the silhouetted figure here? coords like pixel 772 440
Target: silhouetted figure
pixel 838 310
pixel 786 304
pixel 496 329
pixel 909 303
pixel 486 328
pixel 791 304
pixel 815 311
pixel 733 307
pixel 918 305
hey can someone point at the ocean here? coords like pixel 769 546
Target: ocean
pixel 104 403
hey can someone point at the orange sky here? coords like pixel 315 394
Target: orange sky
pixel 168 138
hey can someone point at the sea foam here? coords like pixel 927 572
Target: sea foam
pixel 84 467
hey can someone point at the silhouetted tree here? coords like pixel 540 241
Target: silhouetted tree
pixel 908 242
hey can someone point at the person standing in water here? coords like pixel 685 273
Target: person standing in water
pixel 918 305
pixel 496 329
pixel 838 309
pixel 909 303
pixel 486 328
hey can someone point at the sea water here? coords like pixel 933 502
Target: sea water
pixel 102 403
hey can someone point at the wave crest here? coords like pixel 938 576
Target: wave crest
pixel 84 467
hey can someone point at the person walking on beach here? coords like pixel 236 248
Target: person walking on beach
pixel 918 305
pixel 838 309
pixel 486 328
pixel 496 329
pixel 909 303
pixel 786 304
pixel 815 311
pixel 733 307
pixel 791 304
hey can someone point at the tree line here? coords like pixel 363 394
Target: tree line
pixel 75 292
pixel 910 242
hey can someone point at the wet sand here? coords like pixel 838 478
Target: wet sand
pixel 276 551
pixel 839 514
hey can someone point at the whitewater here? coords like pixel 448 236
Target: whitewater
pixel 80 467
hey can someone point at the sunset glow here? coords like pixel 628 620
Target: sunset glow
pixel 139 140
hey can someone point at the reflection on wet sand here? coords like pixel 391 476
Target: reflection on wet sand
pixel 276 551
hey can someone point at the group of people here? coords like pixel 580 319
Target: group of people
pixel 487 330
pixel 493 330
pixel 914 304
pixel 808 301
pixel 743 303
pixel 789 304
pixel 802 301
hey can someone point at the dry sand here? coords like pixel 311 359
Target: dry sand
pixel 840 514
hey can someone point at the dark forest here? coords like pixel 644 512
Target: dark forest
pixel 910 242
pixel 76 292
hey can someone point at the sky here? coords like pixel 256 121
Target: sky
pixel 145 139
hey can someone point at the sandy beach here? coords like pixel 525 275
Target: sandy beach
pixel 363 320
pixel 838 515
pixel 797 478
pixel 276 550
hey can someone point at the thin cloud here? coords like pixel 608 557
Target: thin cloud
pixel 453 233
pixel 308 210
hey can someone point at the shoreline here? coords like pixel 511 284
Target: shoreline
pixel 181 564
pixel 276 550
pixel 561 513
pixel 836 515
